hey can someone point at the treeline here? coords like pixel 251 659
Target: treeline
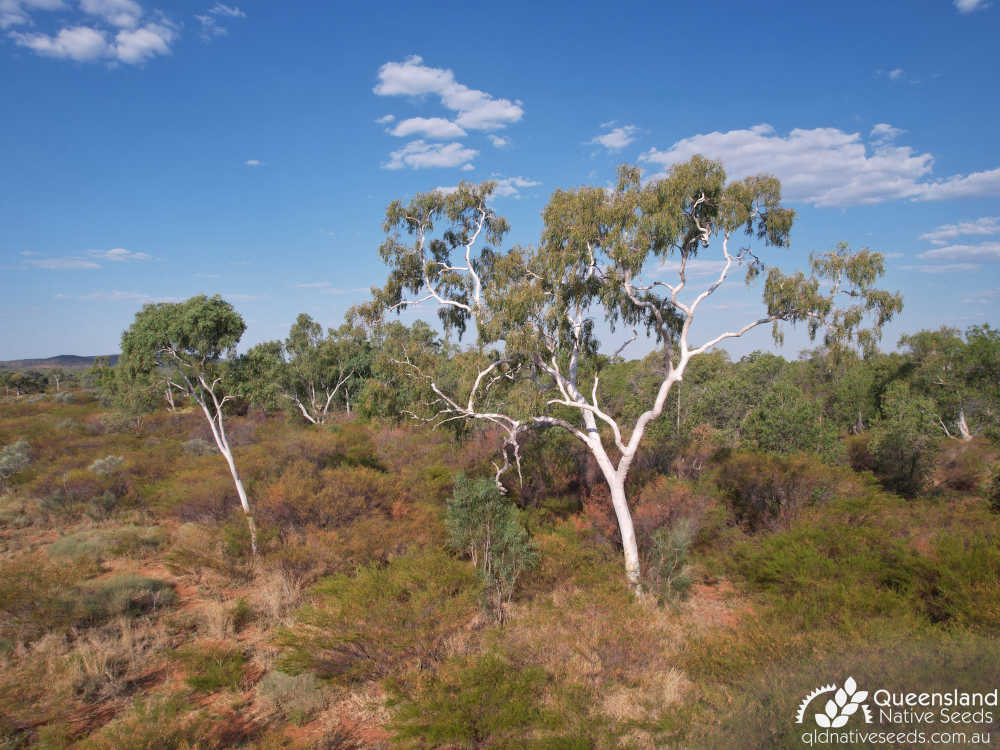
pixel 888 412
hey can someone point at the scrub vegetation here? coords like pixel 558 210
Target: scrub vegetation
pixel 316 544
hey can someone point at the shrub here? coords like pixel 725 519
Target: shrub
pixel 99 544
pixel 164 723
pixel 124 594
pixel 13 458
pixel 107 465
pixel 385 618
pixel 787 421
pixel 211 667
pixel 198 447
pixel 484 525
pixel 485 702
pixel 905 440
pixel 964 466
pixel 769 492
pixel 293 697
pixel 63 397
pixel 667 570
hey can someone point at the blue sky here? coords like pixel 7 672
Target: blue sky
pixel 151 153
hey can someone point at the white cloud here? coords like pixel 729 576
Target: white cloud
pixel 827 166
pixel 231 11
pixel 429 127
pixel 210 26
pixel 498 141
pixel 80 43
pixel 983 252
pixel 63 264
pixel 883 132
pixel 476 109
pixel 118 255
pixel 895 74
pixel 420 155
pixel 314 285
pixel 987 297
pixel 138 45
pixel 121 13
pixel 87 44
pixel 252 162
pixel 970 6
pixel 17 12
pixel 385 119
pixel 617 138
pixel 467 167
pixel 984 226
pixel 509 187
pixel 946 268
pixel 446 189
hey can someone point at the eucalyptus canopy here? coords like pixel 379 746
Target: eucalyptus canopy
pixel 308 372
pixel 189 345
pixel 534 309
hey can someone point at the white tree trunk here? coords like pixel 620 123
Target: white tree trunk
pixel 963 426
pixel 219 433
pixel 630 548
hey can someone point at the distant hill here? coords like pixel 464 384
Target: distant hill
pixel 62 360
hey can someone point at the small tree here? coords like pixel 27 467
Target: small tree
pixel 904 440
pixel 189 344
pixel 307 371
pixel 534 308
pixel 959 376
pixel 483 525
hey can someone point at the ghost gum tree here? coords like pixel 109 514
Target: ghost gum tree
pixel 309 372
pixel 534 309
pixel 190 344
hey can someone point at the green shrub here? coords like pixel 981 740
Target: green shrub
pixel 212 667
pixel 165 723
pixel 124 594
pixel 107 465
pixel 905 440
pixel 769 492
pixel 13 458
pixel 485 702
pixel 100 544
pixel 242 614
pixel 381 620
pixel 293 697
pixel 667 571
pixel 484 525
pixel 854 564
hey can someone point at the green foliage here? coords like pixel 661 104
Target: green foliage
pixel 483 702
pixel 212 667
pixel 122 594
pixel 100 544
pixel 13 458
pixel 382 620
pixel 293 697
pixel 767 491
pixel 853 564
pixel 959 377
pixel 308 373
pixel 787 421
pixel 483 525
pixel 668 572
pixel 163 723
pixel 107 465
pixel 905 440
